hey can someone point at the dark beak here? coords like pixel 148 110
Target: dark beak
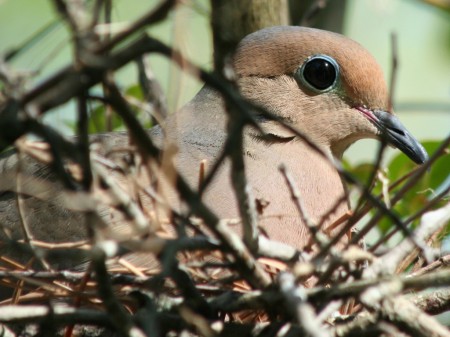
pixel 395 134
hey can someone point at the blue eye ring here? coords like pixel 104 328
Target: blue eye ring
pixel 319 73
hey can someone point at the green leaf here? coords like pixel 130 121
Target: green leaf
pixel 424 189
pixel 97 120
pixel 135 91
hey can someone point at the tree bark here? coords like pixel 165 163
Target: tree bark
pixel 234 19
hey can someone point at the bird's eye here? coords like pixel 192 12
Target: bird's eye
pixel 319 73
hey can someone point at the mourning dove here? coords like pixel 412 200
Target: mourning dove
pixel 323 84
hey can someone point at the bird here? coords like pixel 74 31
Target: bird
pixel 321 83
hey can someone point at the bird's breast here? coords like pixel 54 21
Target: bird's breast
pixel 319 187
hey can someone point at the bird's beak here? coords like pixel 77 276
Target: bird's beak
pixel 396 134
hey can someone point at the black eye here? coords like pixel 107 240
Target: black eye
pixel 319 73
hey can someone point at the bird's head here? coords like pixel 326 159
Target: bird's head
pixel 324 84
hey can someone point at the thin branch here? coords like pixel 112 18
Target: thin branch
pixel 120 318
pixel 394 65
pixel 314 231
pixel 147 149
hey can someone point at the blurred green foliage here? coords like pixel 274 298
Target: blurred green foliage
pixel 99 119
pixel 435 180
